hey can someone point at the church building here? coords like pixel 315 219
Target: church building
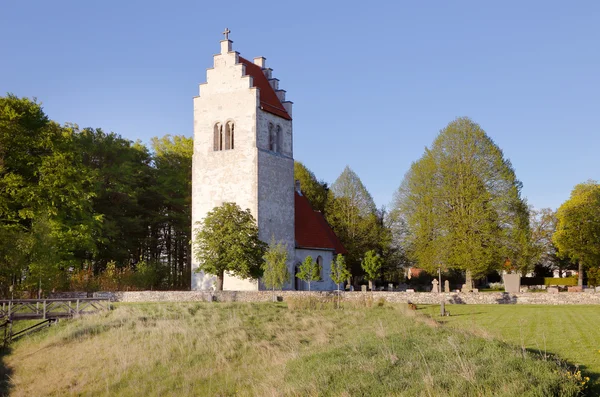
pixel 243 153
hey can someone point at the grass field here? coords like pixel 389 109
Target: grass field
pixel 571 332
pixel 270 350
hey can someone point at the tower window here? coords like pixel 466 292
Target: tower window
pixel 278 140
pixel 218 137
pixel 229 135
pixel 272 144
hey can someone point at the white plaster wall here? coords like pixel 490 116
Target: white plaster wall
pixel 249 175
pixel 264 118
pixel 276 201
pixel 227 175
pixel 326 284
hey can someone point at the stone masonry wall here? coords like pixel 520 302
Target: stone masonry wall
pixel 565 298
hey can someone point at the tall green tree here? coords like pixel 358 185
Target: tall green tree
pixel 543 225
pixel 577 233
pixel 352 214
pixel 44 197
pixel 314 190
pixel 172 157
pixel 309 271
pixel 371 264
pixel 462 206
pixel 227 240
pixel 275 271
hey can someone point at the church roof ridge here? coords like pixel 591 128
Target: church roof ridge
pixel 269 101
pixel 311 228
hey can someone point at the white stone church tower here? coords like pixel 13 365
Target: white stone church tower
pixel 243 153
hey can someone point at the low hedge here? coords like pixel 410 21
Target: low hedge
pixel 548 281
pixel 560 281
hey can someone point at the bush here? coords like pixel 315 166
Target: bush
pixel 593 276
pixel 560 281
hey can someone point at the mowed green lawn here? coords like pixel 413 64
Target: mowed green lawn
pixel 570 331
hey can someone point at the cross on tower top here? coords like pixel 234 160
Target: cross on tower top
pixel 226 33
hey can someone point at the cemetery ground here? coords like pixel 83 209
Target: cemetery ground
pixel 297 347
pixel 571 332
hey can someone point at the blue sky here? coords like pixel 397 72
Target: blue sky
pixel 372 82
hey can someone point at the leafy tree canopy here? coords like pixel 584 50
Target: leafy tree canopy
pixel 315 191
pixel 461 205
pixel 275 271
pixel 309 271
pixel 227 240
pixel 577 235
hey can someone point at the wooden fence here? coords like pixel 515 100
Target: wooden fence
pixel 31 309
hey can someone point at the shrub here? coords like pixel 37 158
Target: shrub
pixel 560 281
pixel 593 277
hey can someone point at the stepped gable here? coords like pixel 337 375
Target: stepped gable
pixel 311 228
pixel 269 102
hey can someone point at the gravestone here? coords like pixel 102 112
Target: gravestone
pixel 363 288
pixel 552 290
pixel 468 285
pixel 390 287
pixel 435 288
pixel 446 286
pixel 410 290
pixel 512 283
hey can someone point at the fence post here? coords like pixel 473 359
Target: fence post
pixel 77 307
pixel 44 309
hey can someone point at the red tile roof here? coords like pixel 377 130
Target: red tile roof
pixel 312 230
pixel 269 102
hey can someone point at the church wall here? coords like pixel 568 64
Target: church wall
pixel 225 175
pixel 326 284
pixel 262 142
pixel 276 186
pixel 276 200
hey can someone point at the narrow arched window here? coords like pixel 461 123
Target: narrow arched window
pixel 218 137
pixel 320 263
pixel 278 140
pixel 229 131
pixel 232 134
pixel 271 138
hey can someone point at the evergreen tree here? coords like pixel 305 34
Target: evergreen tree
pixel 352 214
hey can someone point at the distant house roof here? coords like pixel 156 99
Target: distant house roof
pixel 269 101
pixel 312 230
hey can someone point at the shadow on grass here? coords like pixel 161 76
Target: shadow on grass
pixel 593 387
pixel 5 372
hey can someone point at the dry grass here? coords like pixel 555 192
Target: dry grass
pixel 270 350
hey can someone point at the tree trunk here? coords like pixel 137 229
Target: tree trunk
pixel 580 275
pixel 220 282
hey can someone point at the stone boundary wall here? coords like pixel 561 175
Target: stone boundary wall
pixel 529 298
